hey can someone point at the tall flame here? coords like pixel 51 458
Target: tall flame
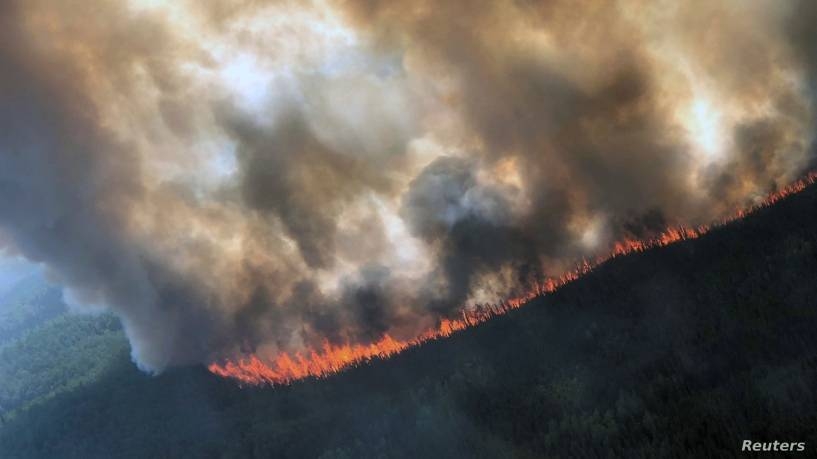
pixel 330 359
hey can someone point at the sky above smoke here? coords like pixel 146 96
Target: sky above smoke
pixel 260 176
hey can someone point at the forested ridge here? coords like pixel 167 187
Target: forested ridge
pixel 682 351
pixel 26 304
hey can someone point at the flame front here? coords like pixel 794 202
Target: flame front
pixel 330 359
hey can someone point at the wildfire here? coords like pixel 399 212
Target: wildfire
pixel 330 359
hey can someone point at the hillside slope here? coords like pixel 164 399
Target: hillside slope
pixel 57 356
pixel 27 303
pixel 683 351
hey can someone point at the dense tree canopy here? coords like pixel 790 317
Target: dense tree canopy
pixel 683 351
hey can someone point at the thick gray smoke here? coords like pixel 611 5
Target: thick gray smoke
pixel 263 176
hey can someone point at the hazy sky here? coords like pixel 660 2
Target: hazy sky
pixel 261 176
pixel 12 270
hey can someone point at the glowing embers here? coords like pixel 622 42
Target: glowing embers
pixel 330 359
pixel 327 360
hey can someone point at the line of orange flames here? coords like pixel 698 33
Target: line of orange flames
pixel 330 359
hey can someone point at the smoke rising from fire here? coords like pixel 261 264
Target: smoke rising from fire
pixel 263 176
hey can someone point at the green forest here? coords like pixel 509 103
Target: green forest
pixel 681 351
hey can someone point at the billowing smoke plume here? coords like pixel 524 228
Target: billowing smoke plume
pixel 262 176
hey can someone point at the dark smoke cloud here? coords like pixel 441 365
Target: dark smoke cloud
pixel 470 224
pixel 264 176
